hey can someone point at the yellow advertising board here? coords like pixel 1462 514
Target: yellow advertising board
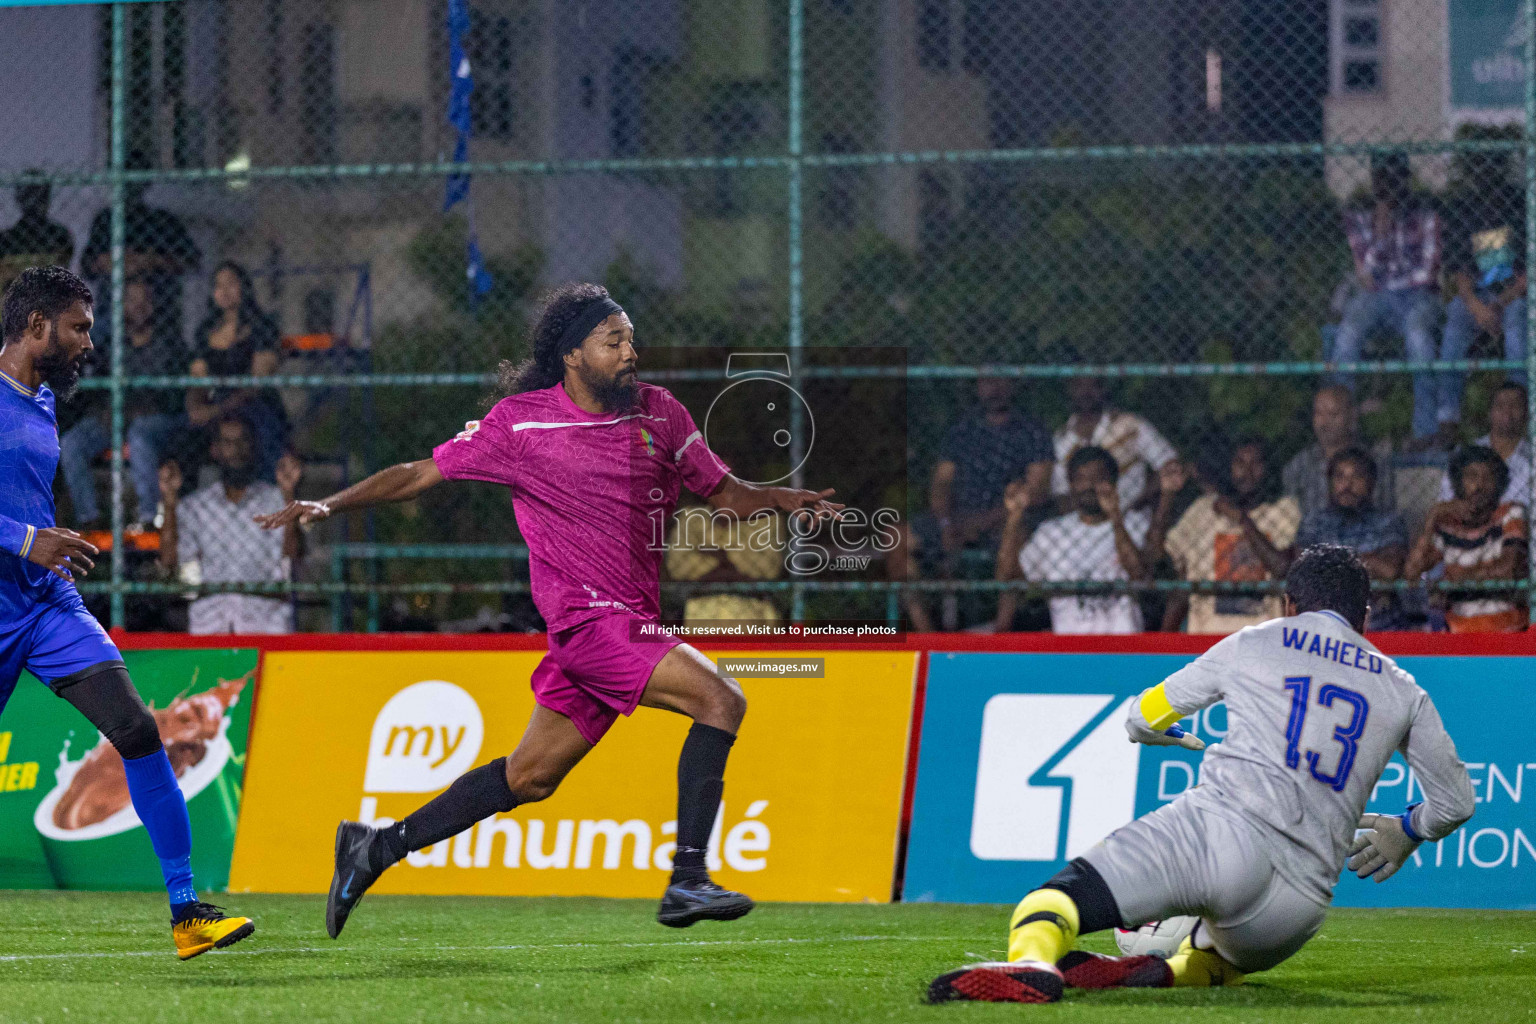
pixel 812 791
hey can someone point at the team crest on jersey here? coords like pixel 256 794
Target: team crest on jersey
pixel 647 441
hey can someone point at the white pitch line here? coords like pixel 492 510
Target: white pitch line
pixel 22 957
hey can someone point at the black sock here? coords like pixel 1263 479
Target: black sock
pixel 474 796
pixel 700 782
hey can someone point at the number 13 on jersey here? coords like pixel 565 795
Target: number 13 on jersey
pixel 1347 735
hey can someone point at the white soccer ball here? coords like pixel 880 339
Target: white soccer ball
pixel 1155 938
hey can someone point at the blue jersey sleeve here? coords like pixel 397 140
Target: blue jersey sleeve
pixel 16 537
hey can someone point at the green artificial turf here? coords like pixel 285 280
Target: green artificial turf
pixel 73 957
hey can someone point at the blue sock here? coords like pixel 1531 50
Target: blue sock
pixel 163 810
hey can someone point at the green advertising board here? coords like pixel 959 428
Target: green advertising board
pixel 1487 54
pixel 65 818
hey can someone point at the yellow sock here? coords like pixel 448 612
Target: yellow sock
pixel 1201 968
pixel 1044 926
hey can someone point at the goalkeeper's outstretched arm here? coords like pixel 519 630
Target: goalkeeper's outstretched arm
pixel 400 482
pixel 1449 799
pixel 1153 714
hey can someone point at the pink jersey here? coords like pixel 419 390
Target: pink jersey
pixel 592 493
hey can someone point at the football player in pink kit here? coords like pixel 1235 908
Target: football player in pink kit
pixel 594 460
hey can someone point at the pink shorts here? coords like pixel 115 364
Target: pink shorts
pixel 597 671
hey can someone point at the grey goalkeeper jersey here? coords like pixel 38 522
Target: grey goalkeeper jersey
pixel 1314 713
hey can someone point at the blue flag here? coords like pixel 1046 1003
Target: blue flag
pixel 461 85
pixel 457 189
pixel 461 88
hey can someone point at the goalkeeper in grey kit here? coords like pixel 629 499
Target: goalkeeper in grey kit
pixel 1315 712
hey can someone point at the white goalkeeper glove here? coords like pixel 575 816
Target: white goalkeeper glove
pixel 1173 736
pixel 1383 847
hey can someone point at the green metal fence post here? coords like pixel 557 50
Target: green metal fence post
pixel 119 233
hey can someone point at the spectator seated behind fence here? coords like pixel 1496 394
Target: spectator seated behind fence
pixel 1485 258
pixel 1476 536
pixel 237 339
pixel 214 530
pixel 1138 449
pixel 982 455
pixel 1351 518
pixel 156 247
pixel 34 240
pixel 1508 423
pixel 715 547
pixel 1335 427
pixel 1096 541
pixel 1239 532
pixel 153 416
pixel 1395 242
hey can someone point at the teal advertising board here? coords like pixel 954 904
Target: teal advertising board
pixel 65 818
pixel 1487 54
pixel 1024 764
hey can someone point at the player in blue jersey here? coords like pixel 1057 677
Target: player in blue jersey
pixel 44 626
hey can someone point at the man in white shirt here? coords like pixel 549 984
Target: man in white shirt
pixel 1508 419
pixel 1096 541
pixel 212 537
pixel 1138 449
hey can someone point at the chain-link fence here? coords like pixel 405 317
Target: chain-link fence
pixel 1170 288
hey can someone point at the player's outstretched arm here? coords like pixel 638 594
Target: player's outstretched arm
pixel 1449 796
pixel 1154 715
pixel 744 499
pixel 1155 723
pixel 1388 840
pixel 397 483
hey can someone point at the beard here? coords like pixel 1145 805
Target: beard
pixel 616 393
pixel 59 372
pixel 238 477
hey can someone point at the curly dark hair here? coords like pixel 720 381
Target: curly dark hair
pixel 1330 578
pixel 1357 454
pixel 46 290
pixel 1466 456
pixel 1093 453
pixel 546 367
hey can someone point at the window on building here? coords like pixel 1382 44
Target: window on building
pixel 632 83
pixel 1213 80
pixel 317 84
pixel 272 28
pixel 934 30
pixel 159 118
pixel 491 47
pixel 1356 46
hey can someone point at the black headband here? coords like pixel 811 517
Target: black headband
pixel 593 313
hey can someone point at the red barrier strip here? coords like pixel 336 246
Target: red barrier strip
pixel 909 781
pixel 1395 644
